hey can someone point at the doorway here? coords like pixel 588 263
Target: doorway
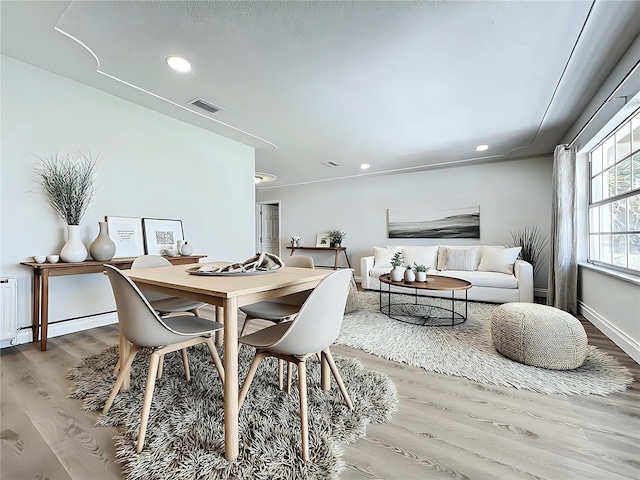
pixel 268 227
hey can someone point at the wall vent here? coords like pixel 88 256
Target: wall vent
pixel 330 164
pixel 209 107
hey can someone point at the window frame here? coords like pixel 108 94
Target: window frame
pixel 604 164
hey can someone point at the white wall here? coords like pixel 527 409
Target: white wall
pixel 153 166
pixel 511 194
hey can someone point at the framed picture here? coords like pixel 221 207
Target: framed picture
pixel 160 234
pixel 323 240
pixel 435 222
pixel 126 233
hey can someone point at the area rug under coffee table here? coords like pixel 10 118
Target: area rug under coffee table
pixel 467 350
pixel 185 436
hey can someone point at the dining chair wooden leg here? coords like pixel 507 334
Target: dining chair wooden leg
pixel 250 374
pixel 325 375
pixel 302 388
pixel 160 365
pixel 289 376
pixel 196 312
pixel 280 373
pixel 148 396
pixel 245 325
pixel 120 380
pixel 117 367
pixel 185 361
pixel 336 374
pixel 216 358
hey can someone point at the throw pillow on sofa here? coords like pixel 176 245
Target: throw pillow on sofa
pixel 459 259
pixel 501 260
pixel 382 256
pixel 422 255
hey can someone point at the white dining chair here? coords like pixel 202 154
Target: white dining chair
pixel 279 310
pixel 141 325
pixel 165 304
pixel 311 332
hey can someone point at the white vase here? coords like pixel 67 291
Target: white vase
pixel 74 250
pixel 186 249
pixel 397 274
pixel 421 276
pixel 409 276
pixel 102 248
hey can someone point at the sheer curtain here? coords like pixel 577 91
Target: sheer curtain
pixel 563 270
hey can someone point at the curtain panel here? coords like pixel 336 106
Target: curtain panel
pixel 563 269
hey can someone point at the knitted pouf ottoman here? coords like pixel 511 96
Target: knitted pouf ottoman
pixel 539 335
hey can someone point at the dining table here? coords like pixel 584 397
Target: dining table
pixel 227 293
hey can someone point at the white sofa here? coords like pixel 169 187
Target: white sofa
pixel 495 272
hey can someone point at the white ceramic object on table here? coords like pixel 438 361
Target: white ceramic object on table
pixel 171 252
pixel 53 258
pixel 74 250
pixel 39 258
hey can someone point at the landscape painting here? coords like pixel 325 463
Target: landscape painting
pixel 461 222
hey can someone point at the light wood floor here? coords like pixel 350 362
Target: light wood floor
pixel 445 427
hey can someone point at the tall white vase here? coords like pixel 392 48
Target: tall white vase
pixel 74 250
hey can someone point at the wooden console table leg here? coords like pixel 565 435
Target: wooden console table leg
pixel 347 257
pixel 335 260
pixel 35 308
pixel 44 310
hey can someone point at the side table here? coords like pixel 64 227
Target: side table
pixel 336 250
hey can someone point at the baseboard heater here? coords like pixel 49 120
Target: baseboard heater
pixel 9 308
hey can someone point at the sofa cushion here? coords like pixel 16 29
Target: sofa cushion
pixel 442 255
pixel 481 279
pixel 459 259
pixel 425 255
pixel 499 260
pixel 382 255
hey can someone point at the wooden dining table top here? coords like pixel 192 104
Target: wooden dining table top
pixel 247 288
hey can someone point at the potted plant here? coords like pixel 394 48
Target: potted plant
pixel 69 186
pixel 421 272
pixel 397 273
pixel 532 243
pixel 336 237
pixel 296 241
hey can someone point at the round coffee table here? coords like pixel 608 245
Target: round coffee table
pixel 418 313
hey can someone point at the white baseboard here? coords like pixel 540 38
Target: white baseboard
pixel 630 346
pixel 62 328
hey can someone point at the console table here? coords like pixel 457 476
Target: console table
pixel 42 272
pixel 336 250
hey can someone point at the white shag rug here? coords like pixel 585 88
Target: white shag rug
pixel 467 350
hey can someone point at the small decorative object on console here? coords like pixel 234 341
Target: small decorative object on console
pixel 336 237
pixel 186 249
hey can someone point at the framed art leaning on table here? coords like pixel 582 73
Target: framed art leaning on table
pixel 126 233
pixel 160 234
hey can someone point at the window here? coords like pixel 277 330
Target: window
pixel 614 205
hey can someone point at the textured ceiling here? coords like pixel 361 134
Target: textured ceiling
pixel 398 85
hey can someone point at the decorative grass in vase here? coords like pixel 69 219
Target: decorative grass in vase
pixel 69 186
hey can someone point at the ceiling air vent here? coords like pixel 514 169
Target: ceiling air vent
pixel 330 164
pixel 209 107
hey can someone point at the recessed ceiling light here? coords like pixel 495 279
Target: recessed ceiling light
pixel 179 64
pixel 482 148
pixel 262 177
pixel 364 166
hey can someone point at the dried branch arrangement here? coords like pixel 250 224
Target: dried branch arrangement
pixel 68 184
